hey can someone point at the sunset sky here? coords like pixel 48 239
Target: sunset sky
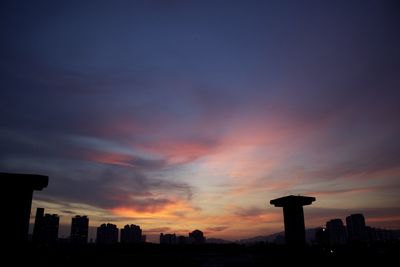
pixel 183 115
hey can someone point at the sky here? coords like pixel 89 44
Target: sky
pixel 183 115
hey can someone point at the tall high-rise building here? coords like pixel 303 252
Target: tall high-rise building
pixel 336 232
pixel 356 228
pixel 107 234
pixel 131 234
pixel 79 229
pixel 51 224
pixel 45 229
pixel 37 235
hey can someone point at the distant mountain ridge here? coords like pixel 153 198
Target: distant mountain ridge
pixel 277 237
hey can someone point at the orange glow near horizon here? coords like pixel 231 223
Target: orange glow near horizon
pixel 171 210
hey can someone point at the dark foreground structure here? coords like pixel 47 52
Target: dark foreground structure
pixel 17 203
pixel 293 214
pixel 206 255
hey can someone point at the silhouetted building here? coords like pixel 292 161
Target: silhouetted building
pixel 132 234
pixel 356 229
pixel 294 217
pixel 50 228
pixel 196 237
pixel 168 239
pixel 45 229
pixel 377 234
pixel 182 240
pixel 79 229
pixel 336 232
pixel 18 209
pixel 321 237
pixel 37 235
pixel 107 234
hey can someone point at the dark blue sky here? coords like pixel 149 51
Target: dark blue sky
pixel 184 114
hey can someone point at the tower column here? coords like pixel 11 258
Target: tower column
pixel 293 217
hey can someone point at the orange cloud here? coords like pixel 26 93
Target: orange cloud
pixel 395 218
pixel 110 158
pixel 343 191
pixel 180 151
pixel 164 210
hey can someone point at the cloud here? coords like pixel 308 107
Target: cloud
pixel 118 187
pixel 217 228
pixel 349 190
pixel 249 211
pixel 255 214
pixel 145 205
pixel 158 230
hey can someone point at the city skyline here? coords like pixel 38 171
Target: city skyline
pixel 182 115
pixel 334 232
